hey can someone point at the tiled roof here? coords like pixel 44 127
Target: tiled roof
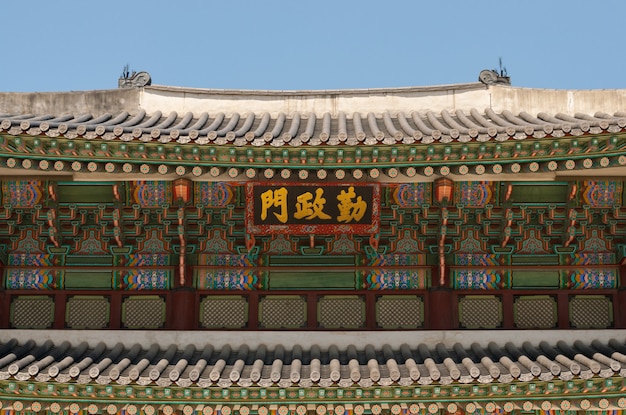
pixel 286 366
pixel 299 128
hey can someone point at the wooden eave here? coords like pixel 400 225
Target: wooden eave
pixel 549 155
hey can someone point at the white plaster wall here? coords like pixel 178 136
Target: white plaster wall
pixel 554 101
pixel 450 98
pixel 394 100
pixel 167 99
pixel 75 102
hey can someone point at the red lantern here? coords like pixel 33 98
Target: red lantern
pixel 443 190
pixel 182 190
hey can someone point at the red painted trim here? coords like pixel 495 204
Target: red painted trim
pixel 253 310
pixel 115 315
pixel 439 312
pixel 311 307
pixel 563 310
pixel 508 310
pixel 5 309
pixel 183 309
pixel 60 303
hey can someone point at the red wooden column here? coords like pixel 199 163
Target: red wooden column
pixel 620 306
pixel 60 303
pixel 440 299
pixel 311 310
pixel 5 308
pixel 183 308
pixel 563 309
pixel 253 310
pixel 508 314
pixel 440 307
pixel 115 307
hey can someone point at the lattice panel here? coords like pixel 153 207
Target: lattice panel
pixel 282 312
pixel 225 311
pixel 590 312
pixel 87 312
pixel 335 312
pixel 535 312
pixel 400 311
pixel 480 312
pixel 32 312
pixel 143 312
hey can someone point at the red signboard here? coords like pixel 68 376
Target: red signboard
pixel 312 208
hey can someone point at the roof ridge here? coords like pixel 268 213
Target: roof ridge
pixel 295 92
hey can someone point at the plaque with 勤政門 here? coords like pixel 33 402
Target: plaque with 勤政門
pixel 312 208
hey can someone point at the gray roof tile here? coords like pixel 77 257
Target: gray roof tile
pixel 306 129
pixel 264 367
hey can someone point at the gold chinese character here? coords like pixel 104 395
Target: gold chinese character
pixel 310 210
pixel 274 198
pixel 348 209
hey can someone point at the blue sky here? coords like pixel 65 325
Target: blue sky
pixel 323 44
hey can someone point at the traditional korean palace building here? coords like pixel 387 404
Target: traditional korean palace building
pixel 441 250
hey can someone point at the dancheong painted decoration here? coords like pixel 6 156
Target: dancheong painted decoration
pixel 443 250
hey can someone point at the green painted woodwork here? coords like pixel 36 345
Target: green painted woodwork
pixel 301 280
pixel 84 193
pixel 525 235
pixel 593 147
pixel 535 259
pixel 95 260
pixel 88 278
pixel 83 279
pixel 554 391
pixel 326 260
pixel 536 279
pixel 531 193
pixel 310 279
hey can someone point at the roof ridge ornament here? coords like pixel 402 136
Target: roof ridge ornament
pixel 493 76
pixel 134 79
